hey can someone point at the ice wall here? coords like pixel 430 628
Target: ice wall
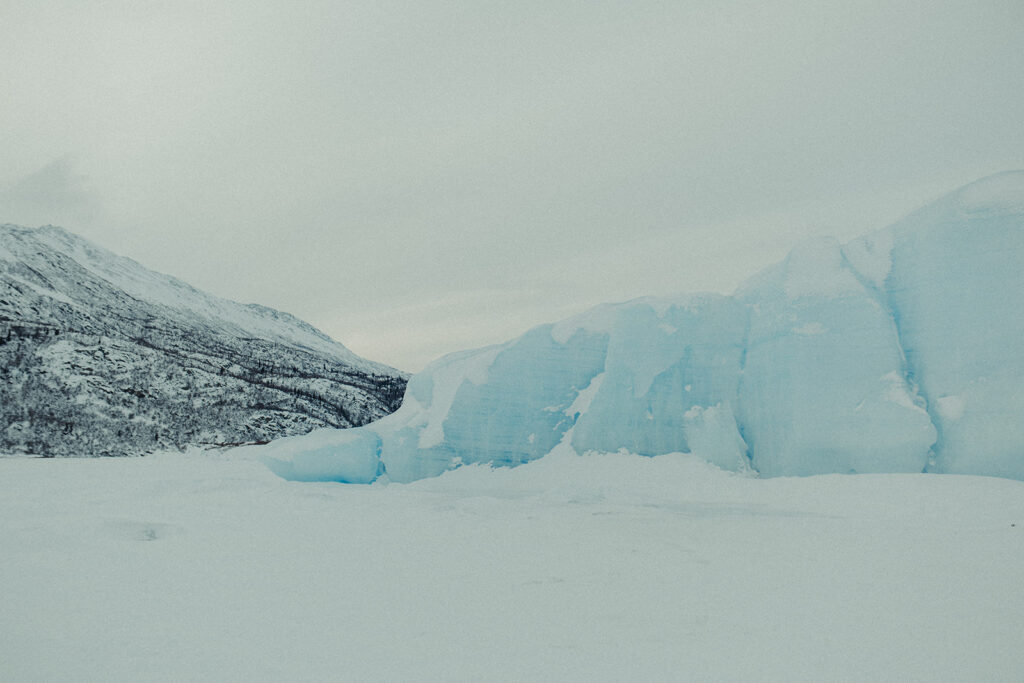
pixel 668 364
pixel 898 352
pixel 505 405
pixel 955 284
pixel 824 387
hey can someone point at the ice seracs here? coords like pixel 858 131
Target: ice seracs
pixel 956 288
pixel 897 352
pixel 667 362
pixel 824 387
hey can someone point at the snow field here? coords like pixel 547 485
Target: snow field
pixel 602 567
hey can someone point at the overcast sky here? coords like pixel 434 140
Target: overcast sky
pixel 420 177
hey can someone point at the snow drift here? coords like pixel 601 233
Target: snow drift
pixel 897 352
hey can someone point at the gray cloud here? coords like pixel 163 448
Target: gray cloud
pixel 56 194
pixel 362 164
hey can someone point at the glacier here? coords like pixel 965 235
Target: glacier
pixel 897 352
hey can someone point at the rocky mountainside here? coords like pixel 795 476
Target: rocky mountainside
pixel 101 356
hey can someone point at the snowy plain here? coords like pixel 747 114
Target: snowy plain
pixel 207 566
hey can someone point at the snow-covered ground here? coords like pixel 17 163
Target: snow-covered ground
pixel 209 567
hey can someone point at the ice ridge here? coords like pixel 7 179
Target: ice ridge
pixel 896 352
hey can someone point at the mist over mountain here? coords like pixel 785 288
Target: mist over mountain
pixel 101 356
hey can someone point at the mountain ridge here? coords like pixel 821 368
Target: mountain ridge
pixel 146 361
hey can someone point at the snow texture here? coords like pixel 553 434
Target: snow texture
pixel 100 356
pixel 898 352
pixel 207 567
pixel 245 320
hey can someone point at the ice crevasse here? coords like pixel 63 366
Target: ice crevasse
pixel 898 352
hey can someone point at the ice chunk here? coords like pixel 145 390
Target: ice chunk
pixel 581 403
pixel 663 361
pixel 956 289
pixel 818 392
pixel 712 434
pixel 445 381
pixel 896 352
pixel 516 415
pixel 950 407
pixel 351 456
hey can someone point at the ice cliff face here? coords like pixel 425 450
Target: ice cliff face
pixel 898 352
pixel 100 356
pixel 955 285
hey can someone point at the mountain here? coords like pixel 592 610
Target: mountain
pixel 101 356
pixel 897 352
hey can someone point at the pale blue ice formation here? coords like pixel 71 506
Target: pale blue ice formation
pixel 898 352
pixel 956 287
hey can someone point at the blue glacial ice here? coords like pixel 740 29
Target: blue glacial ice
pixel 824 387
pixel 898 352
pixel 953 275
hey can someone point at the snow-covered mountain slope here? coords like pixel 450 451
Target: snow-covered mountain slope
pixel 101 356
pixel 898 352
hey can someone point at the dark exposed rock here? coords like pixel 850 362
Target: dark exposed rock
pixel 100 356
